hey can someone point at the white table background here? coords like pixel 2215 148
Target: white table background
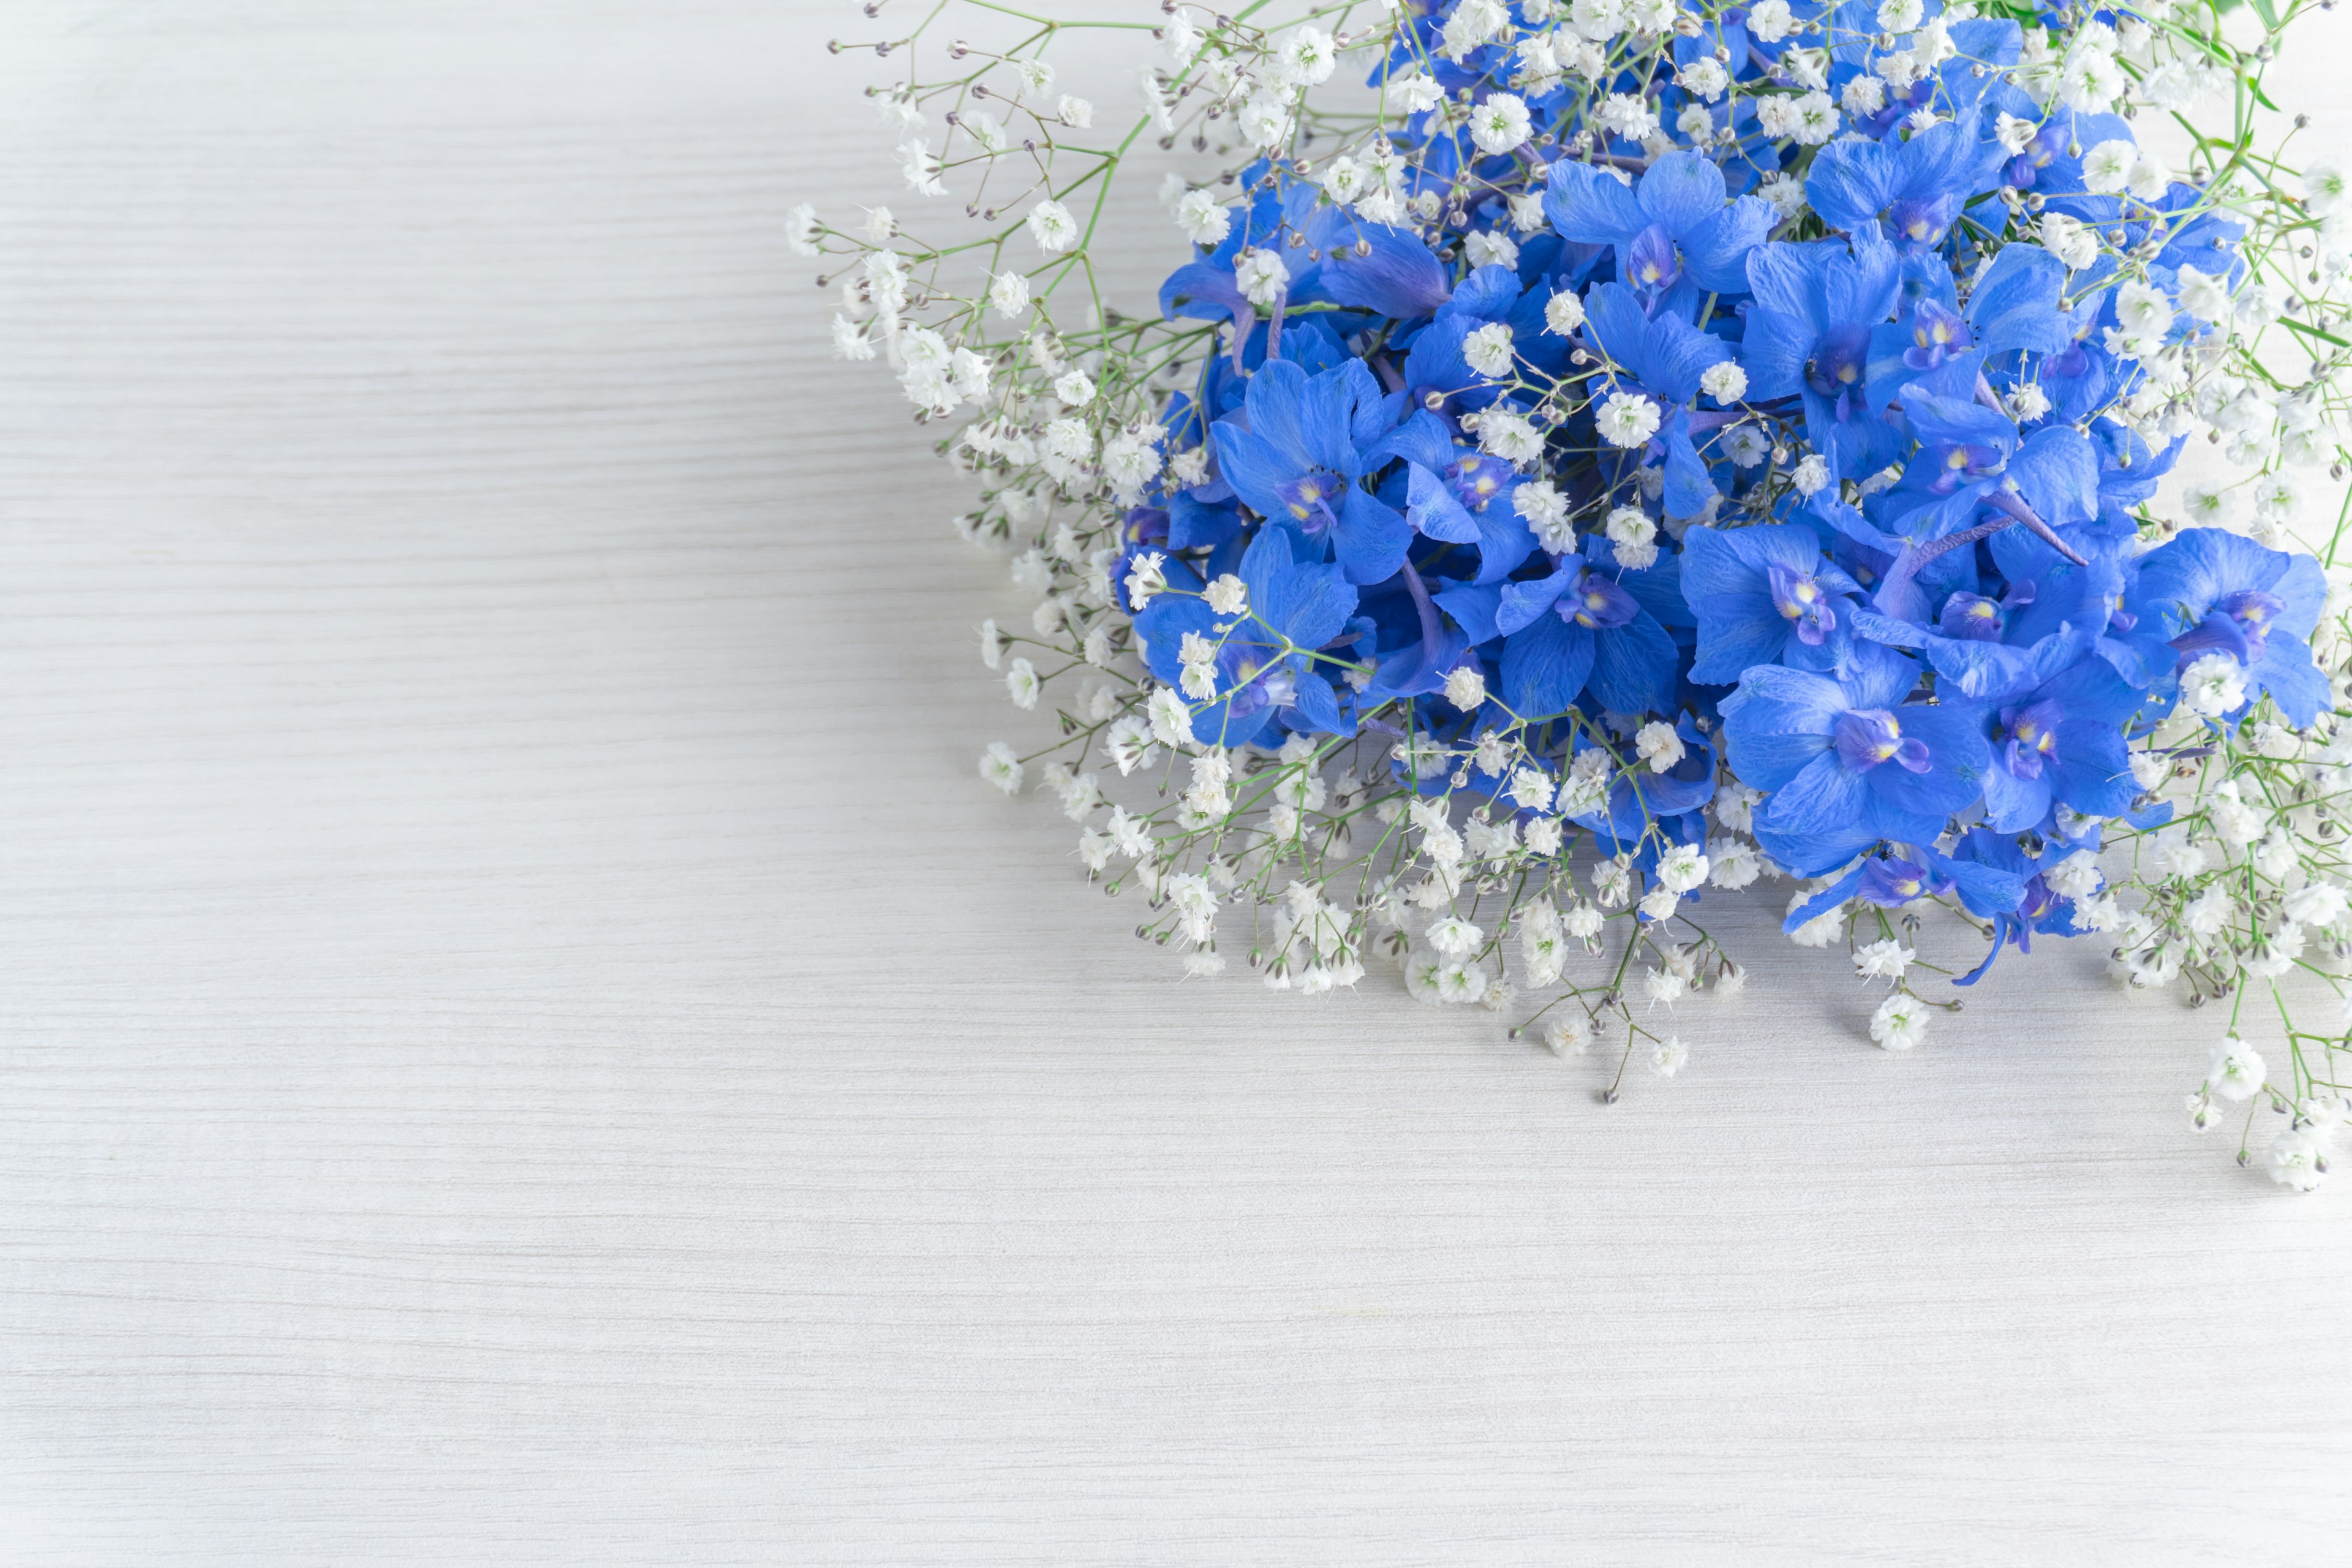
pixel 523 1040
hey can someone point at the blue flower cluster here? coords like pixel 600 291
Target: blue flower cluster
pixel 1833 489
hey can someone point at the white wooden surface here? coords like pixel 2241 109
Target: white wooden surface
pixel 522 1039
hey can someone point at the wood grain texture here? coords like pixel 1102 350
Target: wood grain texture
pixel 523 1041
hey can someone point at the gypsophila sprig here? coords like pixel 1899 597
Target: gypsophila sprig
pixel 1588 457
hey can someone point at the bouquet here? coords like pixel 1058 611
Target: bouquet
pixel 1587 458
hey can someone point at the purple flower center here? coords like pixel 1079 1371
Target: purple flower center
pixel 2032 737
pixel 1596 602
pixel 1652 260
pixel 1936 335
pixel 1971 616
pixel 1310 498
pixel 1839 361
pixel 1799 599
pixel 1866 737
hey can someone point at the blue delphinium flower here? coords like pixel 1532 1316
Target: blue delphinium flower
pixel 2036 907
pixel 1452 493
pixel 2216 592
pixel 1916 188
pixel 1765 595
pixel 1666 357
pixel 1300 449
pixel 1809 333
pixel 1845 763
pixel 1894 879
pixel 2062 743
pixel 1579 628
pixel 1267 664
pixel 1675 234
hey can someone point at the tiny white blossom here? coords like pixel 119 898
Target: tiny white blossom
pixel 1052 226
pixel 1564 312
pixel 1074 388
pixel 1075 111
pixel 1733 863
pixel 2236 1072
pixel 2107 167
pixel 2296 1159
pixel 1465 687
pixel 1500 123
pixel 1228 594
pixel 1000 767
pixel 1669 1056
pixel 1883 960
pixel 922 168
pixel 1726 383
pixel 801 228
pixel 1628 419
pixel 1008 295
pixel 1900 1023
pixel 1570 1035
pixel 1262 276
pixel 1203 221
pixel 2214 684
pixel 1021 680
pixel 1682 867
pixel 1658 744
pixel 1487 350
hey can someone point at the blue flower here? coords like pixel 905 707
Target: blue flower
pixel 1764 595
pixel 1675 234
pixel 1581 627
pixel 1666 356
pixel 1809 333
pixel 1845 763
pixel 1300 449
pixel 1452 493
pixel 2062 742
pixel 2212 592
pixel 1267 667
pixel 1893 880
pixel 1916 188
pixel 2035 909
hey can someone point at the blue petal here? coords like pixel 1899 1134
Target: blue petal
pixel 1590 206
pixel 1545 667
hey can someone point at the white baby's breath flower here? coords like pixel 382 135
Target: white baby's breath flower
pixel 1227 593
pixel 1682 867
pixel 1052 226
pixel 1628 419
pixel 1075 111
pixel 1570 1034
pixel 1657 742
pixel 1021 682
pixel 1726 383
pixel 1564 312
pixel 1001 768
pixel 1262 276
pixel 1883 960
pixel 2107 167
pixel 2236 1072
pixel 1203 219
pixel 2214 684
pixel 802 229
pixel 1900 1023
pixel 2296 1159
pixel 1465 687
pixel 1487 350
pixel 1669 1056
pixel 1500 123
pixel 922 168
pixel 1008 295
